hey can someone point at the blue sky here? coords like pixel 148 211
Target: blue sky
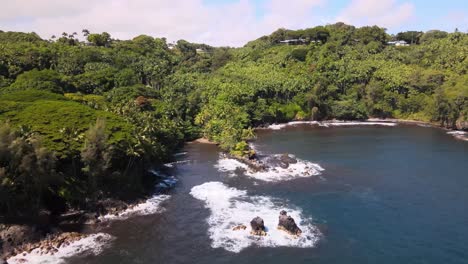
pixel 225 22
pixel 428 14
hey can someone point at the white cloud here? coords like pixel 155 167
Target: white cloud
pixel 291 14
pixel 232 23
pixel 385 13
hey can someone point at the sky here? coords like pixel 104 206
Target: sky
pixel 224 22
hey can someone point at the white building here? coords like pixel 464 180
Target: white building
pixel 398 43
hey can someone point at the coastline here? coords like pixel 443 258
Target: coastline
pixel 460 134
pixel 62 230
pixel 55 233
pixel 406 121
pixel 50 241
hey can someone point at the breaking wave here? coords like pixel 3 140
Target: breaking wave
pixel 462 135
pixel 90 245
pixel 231 207
pixel 151 205
pixel 148 207
pixel 330 124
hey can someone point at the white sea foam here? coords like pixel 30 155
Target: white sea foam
pixel 277 126
pixel 459 133
pixel 90 245
pixel 300 169
pixel 172 164
pixel 167 183
pixel 148 207
pixel 254 148
pixel 462 135
pixel 230 207
pixel 331 123
pixel 230 165
pixel 346 123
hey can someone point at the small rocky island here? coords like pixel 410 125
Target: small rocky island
pixel 286 223
pixel 257 164
pixel 258 227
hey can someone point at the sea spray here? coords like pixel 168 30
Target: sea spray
pixel 275 173
pixel 231 207
pixel 330 124
pixel 90 245
pixel 462 135
pixel 148 207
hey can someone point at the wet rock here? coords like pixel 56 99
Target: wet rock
pixel 287 224
pixel 239 227
pixel 258 227
pixel 253 163
pixel 15 237
pixel 284 165
pixel 286 158
pixel 110 206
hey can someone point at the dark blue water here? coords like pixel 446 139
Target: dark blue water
pixel 387 195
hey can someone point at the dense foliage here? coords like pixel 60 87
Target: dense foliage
pixel 82 119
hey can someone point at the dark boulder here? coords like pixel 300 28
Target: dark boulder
pixel 110 206
pixel 287 223
pixel 286 158
pixel 258 227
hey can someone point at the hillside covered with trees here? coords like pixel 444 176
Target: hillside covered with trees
pixel 83 120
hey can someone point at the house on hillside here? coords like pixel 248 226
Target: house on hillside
pixel 201 51
pixel 294 42
pixel 398 43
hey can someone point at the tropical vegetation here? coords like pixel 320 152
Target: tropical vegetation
pixel 82 120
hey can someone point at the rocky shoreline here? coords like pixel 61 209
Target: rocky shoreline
pixel 49 232
pixel 55 231
pixel 256 165
pixel 285 223
pixel 460 125
pixel 48 245
pixel 459 128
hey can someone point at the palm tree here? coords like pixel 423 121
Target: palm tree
pixel 85 32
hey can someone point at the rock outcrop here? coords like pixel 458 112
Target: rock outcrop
pixel 461 124
pixel 258 227
pixel 254 163
pixel 49 245
pixel 14 237
pixel 286 158
pixel 110 206
pixel 239 227
pixel 283 161
pixel 287 224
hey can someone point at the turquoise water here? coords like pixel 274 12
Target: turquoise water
pixel 387 195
